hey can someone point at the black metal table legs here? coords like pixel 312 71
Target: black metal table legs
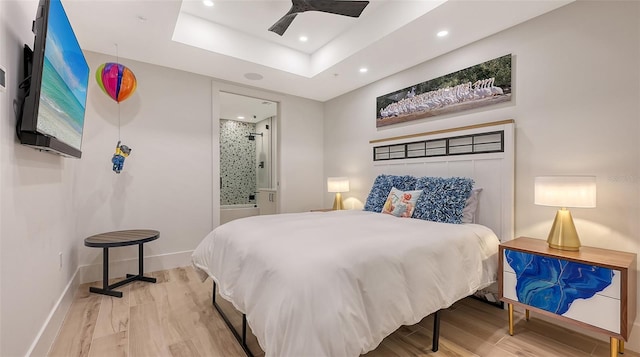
pixel 108 289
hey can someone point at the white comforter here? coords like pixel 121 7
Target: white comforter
pixel 337 283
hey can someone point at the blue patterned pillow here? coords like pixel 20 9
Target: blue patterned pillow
pixel 443 199
pixel 403 183
pixel 381 188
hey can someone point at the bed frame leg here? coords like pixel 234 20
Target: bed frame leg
pixel 242 340
pixel 244 330
pixel 436 331
pixel 213 298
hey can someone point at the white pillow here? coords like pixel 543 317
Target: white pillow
pixel 470 207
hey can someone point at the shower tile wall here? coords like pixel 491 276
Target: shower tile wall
pixel 237 162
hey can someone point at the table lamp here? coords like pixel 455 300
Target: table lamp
pixel 338 185
pixel 563 192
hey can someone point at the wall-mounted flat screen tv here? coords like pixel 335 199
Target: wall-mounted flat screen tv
pixel 57 76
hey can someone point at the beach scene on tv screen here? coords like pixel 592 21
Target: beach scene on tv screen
pixel 65 76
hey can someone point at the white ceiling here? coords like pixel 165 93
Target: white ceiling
pixel 247 109
pixel 230 40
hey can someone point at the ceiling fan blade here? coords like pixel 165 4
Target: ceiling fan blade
pixel 345 8
pixel 281 25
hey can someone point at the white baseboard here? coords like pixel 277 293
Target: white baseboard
pixel 89 273
pixel 51 326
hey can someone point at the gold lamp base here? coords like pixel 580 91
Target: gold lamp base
pixel 337 202
pixel 563 234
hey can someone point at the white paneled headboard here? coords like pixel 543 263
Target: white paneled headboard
pixel 493 172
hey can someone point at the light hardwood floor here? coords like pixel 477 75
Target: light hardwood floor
pixel 174 317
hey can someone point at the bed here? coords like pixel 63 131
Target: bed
pixel 337 283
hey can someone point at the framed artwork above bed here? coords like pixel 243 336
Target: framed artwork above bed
pixel 484 84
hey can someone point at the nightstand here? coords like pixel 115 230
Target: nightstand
pixel 592 288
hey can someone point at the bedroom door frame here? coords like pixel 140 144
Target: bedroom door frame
pixel 219 107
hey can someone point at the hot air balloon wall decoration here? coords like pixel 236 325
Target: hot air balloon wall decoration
pixel 118 82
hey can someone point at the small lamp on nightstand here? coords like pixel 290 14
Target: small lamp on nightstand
pixel 338 185
pixel 565 191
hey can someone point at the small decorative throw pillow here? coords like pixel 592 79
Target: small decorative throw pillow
pixel 381 188
pixel 401 203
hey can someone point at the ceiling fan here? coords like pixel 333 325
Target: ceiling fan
pixel 338 7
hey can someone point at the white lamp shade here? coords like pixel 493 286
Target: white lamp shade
pixel 565 191
pixel 337 184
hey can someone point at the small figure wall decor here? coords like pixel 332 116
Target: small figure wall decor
pixel 118 82
pixel 122 152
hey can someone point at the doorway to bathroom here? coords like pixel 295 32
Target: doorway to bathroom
pixel 247 156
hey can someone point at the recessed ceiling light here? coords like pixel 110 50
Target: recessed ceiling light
pixel 240 117
pixel 207 3
pixel 253 76
pixel 443 33
pixel 363 70
pixel 303 38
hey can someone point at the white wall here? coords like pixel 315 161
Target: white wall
pixel 170 180
pixel 301 170
pixel 37 210
pixel 49 204
pixel 576 89
pixel 166 183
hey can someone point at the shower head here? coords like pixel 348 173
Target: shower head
pixel 252 136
